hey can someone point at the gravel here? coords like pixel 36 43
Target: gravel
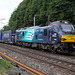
pixel 41 66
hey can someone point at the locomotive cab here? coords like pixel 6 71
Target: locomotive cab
pixel 69 34
pixel 63 36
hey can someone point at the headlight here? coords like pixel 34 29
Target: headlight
pixel 54 35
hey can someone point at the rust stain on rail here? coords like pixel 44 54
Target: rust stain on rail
pixel 25 67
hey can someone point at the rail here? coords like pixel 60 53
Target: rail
pixel 23 66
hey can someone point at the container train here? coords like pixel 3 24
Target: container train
pixel 58 36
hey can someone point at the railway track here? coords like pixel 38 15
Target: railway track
pixel 23 66
pixel 43 58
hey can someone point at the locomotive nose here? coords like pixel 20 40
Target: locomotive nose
pixel 68 38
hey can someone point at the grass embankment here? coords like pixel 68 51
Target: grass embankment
pixel 5 66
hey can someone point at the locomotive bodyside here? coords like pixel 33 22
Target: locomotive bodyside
pixel 34 35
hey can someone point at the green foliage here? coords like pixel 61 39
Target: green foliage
pixel 45 9
pixel 4 66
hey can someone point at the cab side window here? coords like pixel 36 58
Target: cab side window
pixel 55 28
pixel 50 29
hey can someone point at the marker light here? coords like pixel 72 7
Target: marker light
pixel 61 48
pixel 74 32
pixel 65 32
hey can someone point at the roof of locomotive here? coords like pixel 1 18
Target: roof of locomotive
pixel 60 22
pixel 33 27
pixel 52 23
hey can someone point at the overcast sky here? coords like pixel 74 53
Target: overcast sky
pixel 6 9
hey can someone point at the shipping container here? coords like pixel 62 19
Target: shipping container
pixel 8 36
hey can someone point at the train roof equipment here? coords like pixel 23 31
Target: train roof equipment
pixel 60 22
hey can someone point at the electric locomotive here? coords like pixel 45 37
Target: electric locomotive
pixel 58 36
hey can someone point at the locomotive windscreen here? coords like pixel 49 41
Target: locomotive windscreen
pixel 68 28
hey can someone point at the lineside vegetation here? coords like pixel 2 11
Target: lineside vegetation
pixel 45 9
pixel 5 66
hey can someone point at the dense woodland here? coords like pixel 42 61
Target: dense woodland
pixel 52 10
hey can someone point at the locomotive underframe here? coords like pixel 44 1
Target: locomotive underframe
pixel 66 47
pixel 60 47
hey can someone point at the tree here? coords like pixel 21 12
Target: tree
pixel 45 9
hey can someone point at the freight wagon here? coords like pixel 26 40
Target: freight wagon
pixel 8 36
pixel 0 36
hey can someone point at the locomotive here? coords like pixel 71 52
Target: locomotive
pixel 58 36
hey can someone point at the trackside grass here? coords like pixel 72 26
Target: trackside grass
pixel 5 66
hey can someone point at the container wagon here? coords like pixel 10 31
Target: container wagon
pixel 8 36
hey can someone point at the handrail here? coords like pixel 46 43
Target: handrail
pixel 23 66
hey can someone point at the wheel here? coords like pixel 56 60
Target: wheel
pixel 39 46
pixel 54 51
pixel 49 48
